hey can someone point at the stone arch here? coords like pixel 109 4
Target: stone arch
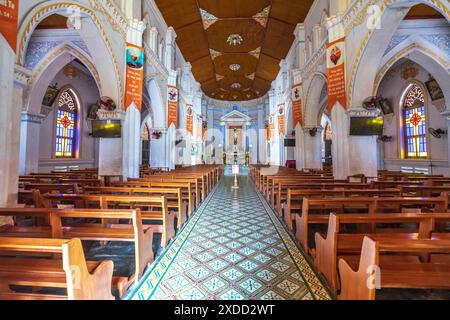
pixel 427 59
pixel 158 106
pixel 47 70
pixel 91 30
pixel 376 42
pixel 313 97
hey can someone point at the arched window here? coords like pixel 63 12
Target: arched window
pixel 66 125
pixel 415 122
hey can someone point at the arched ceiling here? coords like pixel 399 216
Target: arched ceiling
pixel 203 29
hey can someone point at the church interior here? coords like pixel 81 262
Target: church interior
pixel 224 150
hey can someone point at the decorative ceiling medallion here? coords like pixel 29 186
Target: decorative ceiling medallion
pixel 235 67
pixel 251 76
pixel 263 17
pixel 219 77
pixel 236 86
pixel 235 97
pixel 235 39
pixel 214 53
pixel 208 19
pixel 256 53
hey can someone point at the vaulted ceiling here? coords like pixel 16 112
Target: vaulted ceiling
pixel 235 46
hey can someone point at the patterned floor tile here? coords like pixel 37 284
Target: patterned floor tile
pixel 232 248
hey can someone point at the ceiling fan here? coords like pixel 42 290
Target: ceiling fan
pixel 437 133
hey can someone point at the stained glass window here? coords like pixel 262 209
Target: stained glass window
pixel 66 126
pixel 415 122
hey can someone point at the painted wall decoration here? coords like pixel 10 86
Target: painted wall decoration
pixel 9 11
pixel 172 106
pixel 281 120
pixel 336 73
pixel 135 76
pixel 297 108
pixel 189 119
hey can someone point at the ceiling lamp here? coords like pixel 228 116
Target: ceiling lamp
pixel 235 39
pixel 70 71
pixel 235 67
pixel 236 86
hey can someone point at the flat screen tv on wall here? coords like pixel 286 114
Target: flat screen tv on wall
pixel 289 142
pixel 365 126
pixel 106 129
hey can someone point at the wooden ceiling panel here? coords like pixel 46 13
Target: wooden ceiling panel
pixel 234 8
pixel 279 38
pixel 422 11
pixel 265 26
pixel 247 64
pixel 203 69
pixel 267 68
pixel 180 14
pixel 290 11
pixel 251 31
pixel 192 42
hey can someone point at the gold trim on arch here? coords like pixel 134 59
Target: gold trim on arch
pixel 36 18
pixel 438 3
pixel 50 58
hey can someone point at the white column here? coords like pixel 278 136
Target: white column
pixel 9 130
pixel 132 124
pixel 30 127
pixel 169 59
pixel 261 137
pixel 299 148
pixel 300 38
pixel 313 147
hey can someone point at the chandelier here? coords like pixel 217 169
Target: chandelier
pixel 235 67
pixel 235 39
pixel 236 86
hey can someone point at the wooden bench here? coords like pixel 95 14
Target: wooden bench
pixel 158 208
pixel 340 241
pixel 362 205
pixel 58 226
pixel 360 282
pixel 82 280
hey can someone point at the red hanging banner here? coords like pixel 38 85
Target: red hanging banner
pixel 172 106
pixel 189 119
pixel 281 121
pixel 336 73
pixel 134 76
pixel 9 12
pixel 297 111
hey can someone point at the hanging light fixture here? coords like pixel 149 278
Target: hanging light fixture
pixel 236 86
pixel 70 71
pixel 235 39
pixel 235 67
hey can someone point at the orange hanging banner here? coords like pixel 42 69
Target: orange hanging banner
pixel 281 120
pixel 9 11
pixel 297 111
pixel 336 74
pixel 271 126
pixel 189 119
pixel 199 129
pixel 134 76
pixel 172 106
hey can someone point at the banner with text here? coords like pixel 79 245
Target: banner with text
pixel 297 111
pixel 134 76
pixel 281 120
pixel 271 126
pixel 189 119
pixel 172 106
pixel 336 73
pixel 199 129
pixel 9 11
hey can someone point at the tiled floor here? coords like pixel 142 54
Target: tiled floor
pixel 233 248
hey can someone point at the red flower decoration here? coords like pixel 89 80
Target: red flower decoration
pixel 415 119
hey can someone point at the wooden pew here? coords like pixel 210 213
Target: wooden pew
pixel 107 202
pixel 363 205
pixel 59 227
pixel 341 242
pixel 355 279
pixel 173 196
pixel 82 280
pixel 295 198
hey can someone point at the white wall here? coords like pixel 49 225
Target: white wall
pixel 88 94
pixel 392 88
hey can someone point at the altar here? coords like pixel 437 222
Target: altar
pixel 236 150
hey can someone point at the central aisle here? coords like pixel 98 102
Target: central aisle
pixel 233 248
